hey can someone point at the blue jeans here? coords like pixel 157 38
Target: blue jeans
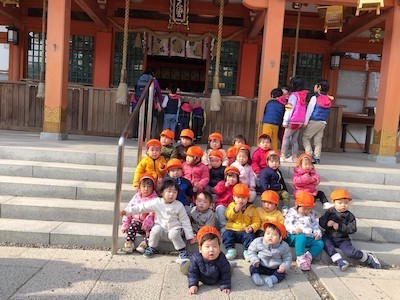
pixel 230 237
pixel 300 242
pixel 170 121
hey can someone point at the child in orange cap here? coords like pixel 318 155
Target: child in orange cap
pixel 306 179
pixel 259 157
pixel 243 164
pixel 186 138
pixel 214 143
pixel 224 192
pixel 242 222
pixel 303 230
pixel 268 211
pixel 216 170
pixel 237 142
pixel 152 163
pixel 202 214
pixel 142 223
pixel 174 172
pixel 338 223
pixel 209 265
pixel 194 170
pixel 171 105
pixel 270 255
pixel 168 150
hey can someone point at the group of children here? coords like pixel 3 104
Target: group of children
pixel 209 197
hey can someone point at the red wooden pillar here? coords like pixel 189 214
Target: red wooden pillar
pixel 248 70
pixel 102 59
pixel 57 51
pixel 14 63
pixel 388 105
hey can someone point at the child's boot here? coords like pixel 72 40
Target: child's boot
pixel 257 279
pixel 128 247
pixel 373 261
pixel 270 281
pixel 149 252
pixel 343 264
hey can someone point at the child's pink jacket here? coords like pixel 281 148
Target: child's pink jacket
pixel 147 219
pixel 305 180
pixel 196 173
pixel 247 175
pixel 224 194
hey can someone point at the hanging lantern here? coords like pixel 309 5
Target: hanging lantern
pixel 369 5
pixel 335 60
pixel 334 18
pixel 12 35
pixel 16 2
pixel 375 36
pixel 138 41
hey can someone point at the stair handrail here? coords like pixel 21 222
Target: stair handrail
pixel 149 89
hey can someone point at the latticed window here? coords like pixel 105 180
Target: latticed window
pixel 81 49
pixel 134 63
pixel 309 67
pixel 34 55
pixel 228 71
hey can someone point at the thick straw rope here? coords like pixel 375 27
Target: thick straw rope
pixel 40 93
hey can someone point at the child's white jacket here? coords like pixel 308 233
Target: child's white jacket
pixel 308 224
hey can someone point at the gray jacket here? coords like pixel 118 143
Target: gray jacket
pixel 200 219
pixel 270 256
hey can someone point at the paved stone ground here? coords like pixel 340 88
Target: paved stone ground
pixel 51 273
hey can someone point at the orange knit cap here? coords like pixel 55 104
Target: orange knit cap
pixel 304 199
pixel 340 194
pixel 271 153
pixel 195 151
pixel 207 229
pixel 148 176
pixel 246 147
pixel 232 169
pixel 241 190
pixel 173 163
pixel 168 133
pixel 187 133
pixel 301 157
pixel 153 142
pixel 280 226
pixel 216 136
pixel 215 153
pixel 270 196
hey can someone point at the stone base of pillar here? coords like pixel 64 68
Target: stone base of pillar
pixel 52 136
pixel 383 159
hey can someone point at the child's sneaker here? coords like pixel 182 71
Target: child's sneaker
pixel 231 254
pixel 343 264
pixel 257 279
pixel 308 257
pixel 149 252
pixel 142 247
pixel 302 262
pixel 128 247
pixel 373 261
pixel 183 255
pixel 327 205
pixel 246 255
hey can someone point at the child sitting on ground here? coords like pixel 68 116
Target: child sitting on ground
pixel 216 170
pixel 202 214
pixel 139 224
pixel 271 178
pixel 168 150
pixel 224 192
pixel 153 163
pixel 194 170
pixel 259 157
pixel 215 143
pixel 270 255
pixel 209 265
pixel 170 218
pixel 237 142
pixel 306 179
pixel 174 172
pixel 303 230
pixel 242 222
pixel 268 211
pixel 338 224
pixel 186 139
pixel 247 176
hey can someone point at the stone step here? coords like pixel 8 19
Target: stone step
pixel 70 156
pixel 57 188
pixel 387 231
pixel 57 170
pixel 375 209
pixel 53 209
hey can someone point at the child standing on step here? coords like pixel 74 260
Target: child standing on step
pixel 306 179
pixel 168 150
pixel 215 143
pixel 338 223
pixel 170 218
pixel 303 230
pixel 142 223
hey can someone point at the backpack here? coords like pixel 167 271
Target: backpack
pixel 141 84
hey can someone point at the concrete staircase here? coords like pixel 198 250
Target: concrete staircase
pixel 61 196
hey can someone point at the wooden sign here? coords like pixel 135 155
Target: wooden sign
pixel 179 13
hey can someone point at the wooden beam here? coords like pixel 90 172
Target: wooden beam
pixel 257 24
pixel 13 13
pixel 357 26
pixel 94 12
pixel 256 4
